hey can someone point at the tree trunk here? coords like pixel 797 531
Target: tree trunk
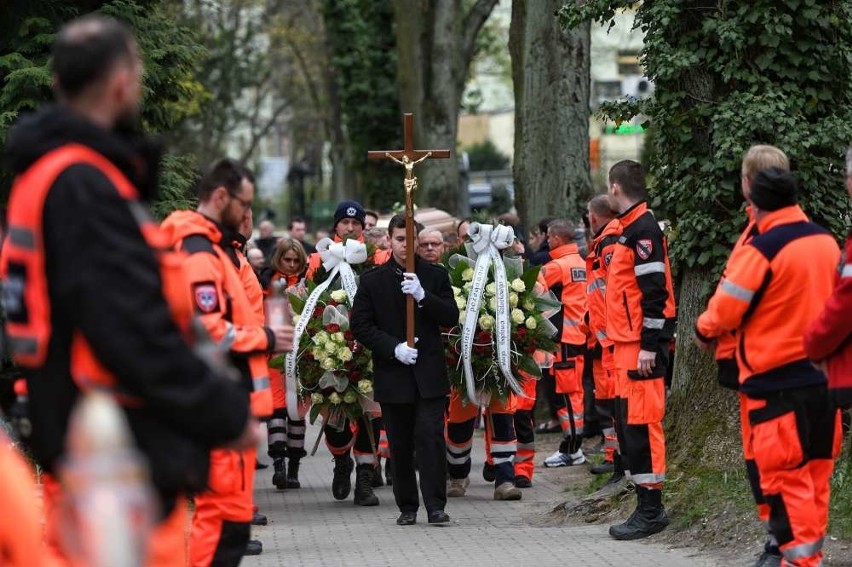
pixel 702 422
pixel 550 72
pixel 435 42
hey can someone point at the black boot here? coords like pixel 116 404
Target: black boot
pixel 341 483
pixel 364 486
pixel 377 475
pixel 279 477
pixel 648 518
pixel 293 472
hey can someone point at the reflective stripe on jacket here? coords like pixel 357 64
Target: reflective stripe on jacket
pixel 774 287
pixel 640 299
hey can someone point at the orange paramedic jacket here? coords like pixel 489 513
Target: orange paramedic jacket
pixel 220 301
pixel 640 303
pixel 774 286
pixel 565 275
pixel 597 264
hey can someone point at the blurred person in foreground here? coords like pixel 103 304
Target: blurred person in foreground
pixel 122 324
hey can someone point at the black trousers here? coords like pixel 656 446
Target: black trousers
pixel 418 426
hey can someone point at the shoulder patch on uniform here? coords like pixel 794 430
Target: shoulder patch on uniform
pixel 607 259
pixel 578 274
pixel 644 248
pixel 622 240
pixel 206 297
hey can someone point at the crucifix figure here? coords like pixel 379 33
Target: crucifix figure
pixel 408 157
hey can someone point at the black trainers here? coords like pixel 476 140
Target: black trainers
pixel 341 483
pixel 605 467
pixel 439 518
pixel 258 519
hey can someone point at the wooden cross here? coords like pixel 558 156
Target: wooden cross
pixel 408 157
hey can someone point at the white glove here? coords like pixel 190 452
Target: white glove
pixel 405 354
pixel 411 286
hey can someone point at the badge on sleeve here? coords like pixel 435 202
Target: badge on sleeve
pixel 206 297
pixel 644 248
pixel 578 274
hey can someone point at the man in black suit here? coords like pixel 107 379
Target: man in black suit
pixel 410 383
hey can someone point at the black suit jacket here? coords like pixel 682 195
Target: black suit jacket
pixel 378 321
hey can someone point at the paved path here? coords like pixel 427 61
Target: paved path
pixel 307 527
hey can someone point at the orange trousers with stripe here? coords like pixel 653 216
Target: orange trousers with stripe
pixel 222 520
pixel 795 436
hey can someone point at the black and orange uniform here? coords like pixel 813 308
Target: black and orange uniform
pixel 221 525
pixel 728 376
pixel 795 433
pixel 565 275
pixel 601 346
pixel 94 298
pixel 524 423
pixel 640 313
pixel 351 435
pixel 286 437
pixel 500 441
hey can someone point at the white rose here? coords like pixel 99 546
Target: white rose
pixel 460 302
pixel 339 296
pixel 529 305
pixel 457 291
pixel 296 319
pixel 330 347
pixel 530 323
pixel 320 338
pixel 467 287
pixel 328 364
pixel 350 397
pixel 344 354
pixel 492 304
pixel 491 289
pixel 486 322
pixel 461 318
pixel 519 285
pixel 334 398
pixel 513 299
pixel 517 316
pixel 365 386
pixel 317 398
pixel 319 354
pixel 467 275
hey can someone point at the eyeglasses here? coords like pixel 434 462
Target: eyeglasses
pixel 243 202
pixel 431 244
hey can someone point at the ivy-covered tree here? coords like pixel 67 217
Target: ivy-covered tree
pixel 728 75
pixel 171 94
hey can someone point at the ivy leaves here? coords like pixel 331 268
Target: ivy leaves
pixel 729 75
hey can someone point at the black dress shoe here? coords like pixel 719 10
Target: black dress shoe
pixel 258 519
pixel 439 518
pixel 407 519
pixel 254 547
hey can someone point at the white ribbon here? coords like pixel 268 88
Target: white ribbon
pixel 336 258
pixel 486 243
